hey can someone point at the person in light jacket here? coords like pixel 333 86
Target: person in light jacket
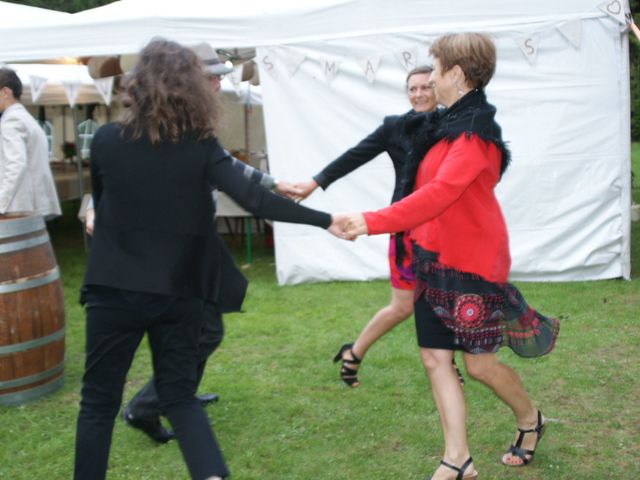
pixel 26 183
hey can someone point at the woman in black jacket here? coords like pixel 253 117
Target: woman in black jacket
pixel 155 257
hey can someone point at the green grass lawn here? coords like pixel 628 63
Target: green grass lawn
pixel 284 414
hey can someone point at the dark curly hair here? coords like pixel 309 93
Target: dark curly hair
pixel 167 96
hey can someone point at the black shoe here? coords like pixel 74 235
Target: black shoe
pixel 207 398
pixel 458 372
pixel 461 470
pixel 151 427
pixel 348 373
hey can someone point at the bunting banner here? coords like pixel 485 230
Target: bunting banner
pixel 614 9
pixel 105 88
pixel 370 67
pixel 288 59
pixel 293 60
pixel 408 58
pixel 71 89
pixel 277 57
pixel 267 64
pixel 330 68
pixel 572 31
pixel 37 86
pixel 529 46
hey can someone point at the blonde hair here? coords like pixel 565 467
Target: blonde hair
pixel 421 70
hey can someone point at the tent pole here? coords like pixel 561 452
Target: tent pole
pixel 247 149
pixel 76 136
pixel 74 115
pixel 247 144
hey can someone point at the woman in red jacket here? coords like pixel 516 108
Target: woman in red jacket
pixel 461 254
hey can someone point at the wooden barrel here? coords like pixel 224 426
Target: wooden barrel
pixel 31 311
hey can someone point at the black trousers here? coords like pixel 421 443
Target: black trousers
pixel 145 403
pixel 113 335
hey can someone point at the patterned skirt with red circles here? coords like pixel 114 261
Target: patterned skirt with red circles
pixel 479 316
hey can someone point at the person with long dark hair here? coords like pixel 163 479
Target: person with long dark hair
pixel 461 254
pixel 143 410
pixel 156 259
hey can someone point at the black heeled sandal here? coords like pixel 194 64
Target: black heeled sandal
pixel 347 374
pixel 516 449
pixel 458 372
pixel 461 470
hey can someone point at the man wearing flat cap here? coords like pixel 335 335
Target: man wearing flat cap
pixel 215 70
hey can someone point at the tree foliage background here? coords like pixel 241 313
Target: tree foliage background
pixel 73 6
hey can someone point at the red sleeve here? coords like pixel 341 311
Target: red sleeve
pixel 465 160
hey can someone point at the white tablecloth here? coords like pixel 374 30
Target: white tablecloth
pixel 225 207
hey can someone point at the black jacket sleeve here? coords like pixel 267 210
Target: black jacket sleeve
pixel 94 167
pixel 256 199
pixel 366 150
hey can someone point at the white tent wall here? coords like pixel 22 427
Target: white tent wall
pixel 566 196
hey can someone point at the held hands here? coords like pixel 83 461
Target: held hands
pixel 355 225
pixel 348 226
pixel 289 190
pixel 304 189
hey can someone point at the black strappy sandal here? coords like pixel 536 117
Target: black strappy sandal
pixel 347 374
pixel 516 449
pixel 458 372
pixel 461 470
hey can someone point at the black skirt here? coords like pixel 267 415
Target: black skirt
pixel 458 310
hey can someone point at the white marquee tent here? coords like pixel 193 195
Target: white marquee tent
pixel 332 69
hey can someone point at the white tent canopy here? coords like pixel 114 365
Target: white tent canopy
pixel 126 25
pixel 561 89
